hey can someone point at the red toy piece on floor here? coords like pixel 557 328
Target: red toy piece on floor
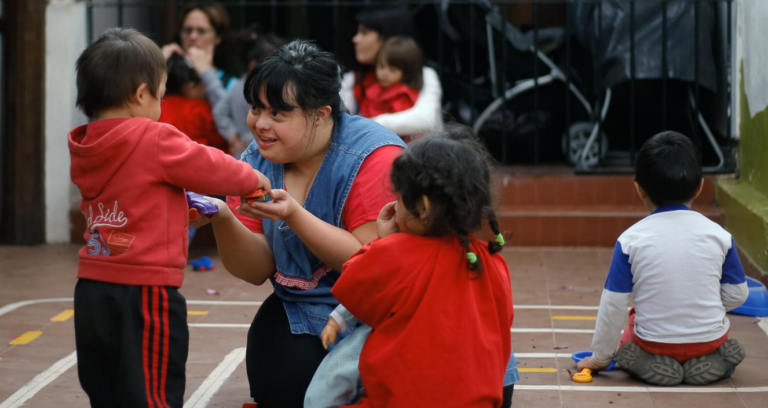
pixel 246 405
pixel 203 264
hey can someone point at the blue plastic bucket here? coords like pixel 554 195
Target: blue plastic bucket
pixel 757 301
pixel 581 355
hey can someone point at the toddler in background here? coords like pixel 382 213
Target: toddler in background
pixel 399 67
pixel 184 105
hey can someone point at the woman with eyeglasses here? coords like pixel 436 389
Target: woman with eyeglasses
pixel 202 26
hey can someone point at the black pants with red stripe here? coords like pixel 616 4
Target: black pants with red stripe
pixel 132 344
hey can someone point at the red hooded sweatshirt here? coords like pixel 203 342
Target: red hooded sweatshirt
pixel 132 174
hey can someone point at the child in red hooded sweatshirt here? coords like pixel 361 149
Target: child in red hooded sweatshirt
pixel 130 320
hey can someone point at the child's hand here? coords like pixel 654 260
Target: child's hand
pixel 329 332
pixel 169 49
pixel 281 207
pixel 263 181
pixel 223 211
pixel 587 363
pixel 386 223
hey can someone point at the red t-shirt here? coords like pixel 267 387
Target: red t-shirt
pixel 440 338
pixel 370 191
pixel 192 117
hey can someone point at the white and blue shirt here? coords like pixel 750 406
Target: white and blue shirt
pixel 685 274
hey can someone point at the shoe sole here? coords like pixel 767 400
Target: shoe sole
pixel 651 368
pixel 715 366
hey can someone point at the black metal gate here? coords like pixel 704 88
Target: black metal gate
pixel 540 81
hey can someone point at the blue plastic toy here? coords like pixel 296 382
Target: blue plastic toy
pixel 757 301
pixel 203 264
pixel 581 355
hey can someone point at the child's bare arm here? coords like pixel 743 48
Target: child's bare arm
pixel 329 333
pixel 246 255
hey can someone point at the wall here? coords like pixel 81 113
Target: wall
pixel 65 33
pixel 745 200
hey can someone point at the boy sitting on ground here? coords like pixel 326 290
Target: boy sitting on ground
pixel 684 272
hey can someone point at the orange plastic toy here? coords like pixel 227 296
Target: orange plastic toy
pixel 259 195
pixel 584 376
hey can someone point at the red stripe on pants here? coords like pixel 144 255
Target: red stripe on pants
pixel 145 344
pixel 155 341
pixel 166 340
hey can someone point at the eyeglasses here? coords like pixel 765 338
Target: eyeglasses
pixel 187 31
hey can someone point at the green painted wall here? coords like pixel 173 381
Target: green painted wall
pixel 745 201
pixel 753 150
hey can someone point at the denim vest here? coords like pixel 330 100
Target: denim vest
pixel 301 280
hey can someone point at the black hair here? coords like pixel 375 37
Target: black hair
pixel 453 169
pixel 111 69
pixel 388 22
pixel 300 71
pixel 180 73
pixel 668 168
pixel 256 45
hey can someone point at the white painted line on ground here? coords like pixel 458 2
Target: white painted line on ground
pixel 690 390
pixel 550 330
pixel 763 324
pixel 224 302
pixel 554 307
pixel 13 306
pixel 215 379
pixel 518 330
pixel 41 380
pixel 543 355
pixel 220 325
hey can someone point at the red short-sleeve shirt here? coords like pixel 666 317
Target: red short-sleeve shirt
pixel 370 191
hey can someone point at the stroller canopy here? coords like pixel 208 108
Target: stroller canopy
pixel 609 45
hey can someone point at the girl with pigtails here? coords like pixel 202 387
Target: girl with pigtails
pixel 436 302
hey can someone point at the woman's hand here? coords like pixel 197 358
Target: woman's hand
pixel 202 58
pixel 386 223
pixel 282 206
pixel 170 49
pixel 203 220
pixel 329 332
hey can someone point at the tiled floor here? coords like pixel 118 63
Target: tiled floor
pixel 550 285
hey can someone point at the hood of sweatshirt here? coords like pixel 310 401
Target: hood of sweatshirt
pixel 96 160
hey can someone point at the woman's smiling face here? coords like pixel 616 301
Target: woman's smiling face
pixel 283 137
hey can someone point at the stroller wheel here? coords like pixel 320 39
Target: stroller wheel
pixel 578 134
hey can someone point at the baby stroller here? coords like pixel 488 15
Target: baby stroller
pixel 604 30
pixel 507 107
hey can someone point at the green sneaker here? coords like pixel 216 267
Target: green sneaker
pixel 714 366
pixel 650 368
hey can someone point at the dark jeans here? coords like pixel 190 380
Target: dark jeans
pixel 280 364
